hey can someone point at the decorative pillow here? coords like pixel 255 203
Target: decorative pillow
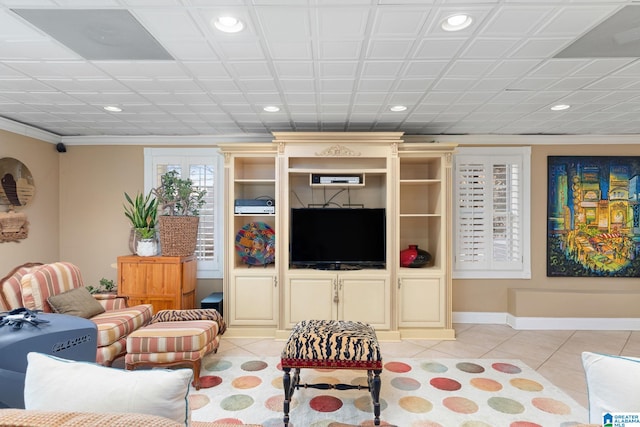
pixel 76 302
pixel 612 384
pixel 54 384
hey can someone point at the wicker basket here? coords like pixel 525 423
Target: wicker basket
pixel 178 235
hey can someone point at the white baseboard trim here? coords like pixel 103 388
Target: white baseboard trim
pixel 549 323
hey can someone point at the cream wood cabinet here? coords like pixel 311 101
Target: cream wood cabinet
pixel 360 297
pixel 421 301
pixel 408 177
pixel 254 299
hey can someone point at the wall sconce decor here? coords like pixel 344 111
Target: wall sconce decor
pixel 16 191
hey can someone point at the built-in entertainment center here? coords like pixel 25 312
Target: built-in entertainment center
pixel 344 204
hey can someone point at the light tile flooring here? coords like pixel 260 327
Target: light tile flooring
pixel 556 355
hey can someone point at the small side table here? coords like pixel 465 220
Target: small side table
pixel 214 300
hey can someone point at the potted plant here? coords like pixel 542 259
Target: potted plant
pixel 106 286
pixel 179 204
pixel 142 212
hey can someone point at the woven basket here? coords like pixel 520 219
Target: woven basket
pixel 178 235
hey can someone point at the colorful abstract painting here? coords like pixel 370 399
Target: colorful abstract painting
pixel 593 216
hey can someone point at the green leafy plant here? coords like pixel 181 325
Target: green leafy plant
pixel 106 285
pixel 142 212
pixel 178 196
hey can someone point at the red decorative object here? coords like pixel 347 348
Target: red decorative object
pixel 415 257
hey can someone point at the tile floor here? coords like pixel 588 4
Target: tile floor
pixel 556 355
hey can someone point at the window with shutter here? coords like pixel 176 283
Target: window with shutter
pixel 491 213
pixel 204 167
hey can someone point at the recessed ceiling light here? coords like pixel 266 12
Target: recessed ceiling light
pixel 112 108
pixel 228 24
pixel 397 108
pixel 271 109
pixel 560 107
pixel 457 22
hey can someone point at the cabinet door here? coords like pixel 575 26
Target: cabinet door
pixel 421 302
pixel 154 283
pixel 310 298
pixel 365 299
pixel 253 300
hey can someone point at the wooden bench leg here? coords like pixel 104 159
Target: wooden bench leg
pixel 289 388
pixel 374 387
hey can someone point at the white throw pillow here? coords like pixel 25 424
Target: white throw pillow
pixel 54 384
pixel 613 384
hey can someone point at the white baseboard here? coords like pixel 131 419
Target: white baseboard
pixel 549 323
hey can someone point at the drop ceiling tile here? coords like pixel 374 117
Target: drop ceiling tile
pixel 168 24
pixel 250 70
pixel 297 85
pixel 389 49
pixel 216 86
pixel 294 69
pixel 491 85
pixel 375 85
pixel 539 48
pixel 258 85
pixel 514 21
pixel 480 48
pixel 457 84
pixel 189 50
pixel 513 68
pixel 242 50
pixel 380 69
pixel 396 22
pixel 414 85
pixel 23 85
pixel 267 98
pixel 612 83
pixel 291 50
pixel 602 66
pixel 425 68
pixel 573 20
pixel 342 23
pixel 284 22
pixel 439 48
pixel 335 98
pixel 135 69
pixel 345 49
pixel 336 85
pixel 207 69
pixel 57 69
pixel 468 68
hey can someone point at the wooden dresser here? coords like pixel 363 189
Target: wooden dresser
pixel 165 282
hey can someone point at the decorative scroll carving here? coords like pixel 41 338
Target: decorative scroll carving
pixel 338 150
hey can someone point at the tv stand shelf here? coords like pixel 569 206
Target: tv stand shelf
pixel 410 181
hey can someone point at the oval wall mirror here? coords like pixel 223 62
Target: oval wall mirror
pixel 16 183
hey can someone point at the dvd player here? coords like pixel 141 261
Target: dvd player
pixel 255 209
pixel 335 179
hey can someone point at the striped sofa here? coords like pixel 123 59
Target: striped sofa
pixel 29 286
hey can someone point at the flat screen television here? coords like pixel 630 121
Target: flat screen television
pixel 338 238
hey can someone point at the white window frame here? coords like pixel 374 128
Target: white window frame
pixel 209 269
pixel 490 269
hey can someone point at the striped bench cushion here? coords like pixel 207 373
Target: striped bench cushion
pixel 332 344
pixel 172 337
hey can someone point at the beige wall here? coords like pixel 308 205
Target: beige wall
pixel 42 243
pixel 554 296
pixel 93 228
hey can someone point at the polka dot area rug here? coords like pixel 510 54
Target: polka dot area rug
pixel 415 393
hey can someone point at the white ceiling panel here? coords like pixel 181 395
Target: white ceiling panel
pixel 329 65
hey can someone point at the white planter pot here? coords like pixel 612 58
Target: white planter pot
pixel 147 247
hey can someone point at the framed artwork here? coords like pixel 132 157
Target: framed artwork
pixel 593 216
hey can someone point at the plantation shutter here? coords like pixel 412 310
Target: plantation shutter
pixel 204 168
pixel 491 218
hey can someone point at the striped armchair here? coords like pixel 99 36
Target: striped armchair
pixel 30 285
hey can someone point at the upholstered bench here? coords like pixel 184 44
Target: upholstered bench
pixel 176 338
pixel 332 344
